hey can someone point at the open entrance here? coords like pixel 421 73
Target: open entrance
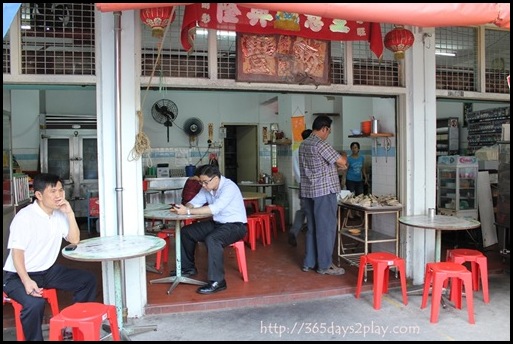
pixel 240 152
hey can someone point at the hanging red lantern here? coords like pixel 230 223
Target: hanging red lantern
pixel 398 41
pixel 157 18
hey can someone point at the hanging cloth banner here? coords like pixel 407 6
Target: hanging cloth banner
pixel 298 125
pixel 230 17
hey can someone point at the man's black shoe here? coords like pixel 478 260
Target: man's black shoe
pixel 185 273
pixel 292 240
pixel 212 287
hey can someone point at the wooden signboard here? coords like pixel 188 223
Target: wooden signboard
pixel 282 58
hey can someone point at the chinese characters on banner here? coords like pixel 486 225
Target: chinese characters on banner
pixel 230 17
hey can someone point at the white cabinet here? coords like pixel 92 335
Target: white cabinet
pixel 457 186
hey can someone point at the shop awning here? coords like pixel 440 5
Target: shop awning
pixel 415 14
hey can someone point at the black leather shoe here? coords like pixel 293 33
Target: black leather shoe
pixel 185 273
pixel 212 287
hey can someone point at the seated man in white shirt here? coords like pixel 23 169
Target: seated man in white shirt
pixel 224 202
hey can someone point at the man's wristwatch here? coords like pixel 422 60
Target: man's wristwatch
pixel 188 211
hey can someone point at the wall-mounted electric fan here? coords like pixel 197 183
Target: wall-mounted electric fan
pixel 165 111
pixel 193 127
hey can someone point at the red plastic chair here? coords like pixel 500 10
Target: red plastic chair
pixel 49 294
pixel 381 263
pixel 240 252
pixel 266 220
pixel 436 274
pixel 86 320
pixel 280 210
pixel 163 255
pixel 478 267
pixel 255 230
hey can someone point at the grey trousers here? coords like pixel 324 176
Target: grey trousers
pixel 321 218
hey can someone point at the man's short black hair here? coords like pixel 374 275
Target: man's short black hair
pixel 44 180
pixel 321 122
pixel 208 170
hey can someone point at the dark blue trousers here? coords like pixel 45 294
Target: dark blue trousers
pixel 80 282
pixel 216 237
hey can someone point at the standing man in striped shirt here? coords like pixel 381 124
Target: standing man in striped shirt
pixel 318 163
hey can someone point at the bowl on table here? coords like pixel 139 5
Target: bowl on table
pixel 355 131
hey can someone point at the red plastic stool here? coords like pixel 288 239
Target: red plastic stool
pixel 381 263
pixel 272 218
pixel 279 209
pixel 86 320
pixel 266 220
pixel 240 252
pixel 253 203
pixel 436 274
pixel 478 267
pixel 163 255
pixel 255 230
pixel 49 294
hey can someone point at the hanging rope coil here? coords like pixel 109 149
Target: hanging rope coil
pixel 142 146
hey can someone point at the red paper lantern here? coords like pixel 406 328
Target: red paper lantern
pixel 157 19
pixel 398 41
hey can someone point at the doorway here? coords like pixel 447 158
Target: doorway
pixel 241 152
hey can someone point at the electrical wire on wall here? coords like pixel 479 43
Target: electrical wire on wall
pixel 142 146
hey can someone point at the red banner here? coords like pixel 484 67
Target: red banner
pixel 230 17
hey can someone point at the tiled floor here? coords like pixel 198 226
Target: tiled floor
pixel 274 276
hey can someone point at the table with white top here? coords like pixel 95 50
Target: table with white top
pixel 439 223
pixel 117 248
pixel 167 215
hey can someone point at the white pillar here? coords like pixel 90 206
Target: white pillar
pixel 131 181
pixel 417 167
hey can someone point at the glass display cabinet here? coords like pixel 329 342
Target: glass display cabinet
pixel 457 186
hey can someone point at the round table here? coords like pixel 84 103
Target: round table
pixel 117 248
pixel 166 215
pixel 254 196
pixel 261 187
pixel 250 196
pixel 439 223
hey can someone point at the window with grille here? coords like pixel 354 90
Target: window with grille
pixel 337 75
pixel 226 54
pixel 174 61
pixel 369 70
pixel 456 58
pixel 497 66
pixel 57 38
